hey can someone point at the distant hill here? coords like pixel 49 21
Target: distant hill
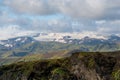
pixel 25 46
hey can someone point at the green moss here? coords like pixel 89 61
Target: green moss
pixel 28 68
pixel 63 68
pixel 91 63
pixel 116 75
pixel 59 71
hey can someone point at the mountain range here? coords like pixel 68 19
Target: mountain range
pixel 53 45
pixel 44 43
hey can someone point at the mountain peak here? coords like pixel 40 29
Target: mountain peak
pixel 16 42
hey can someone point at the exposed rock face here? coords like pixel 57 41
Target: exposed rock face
pixel 105 66
pixel 80 66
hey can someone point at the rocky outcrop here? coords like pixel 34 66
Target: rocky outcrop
pixel 80 66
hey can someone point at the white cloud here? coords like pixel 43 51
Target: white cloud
pixel 82 8
pixel 7 32
pixel 92 15
pixel 53 25
pixel 90 9
pixel 100 22
pixel 12 31
pixel 5 18
pixel 30 6
pixel 109 27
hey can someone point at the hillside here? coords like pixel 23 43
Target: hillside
pixel 79 66
pixel 34 57
pixel 24 46
pixel 46 47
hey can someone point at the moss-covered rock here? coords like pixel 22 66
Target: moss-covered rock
pixel 116 75
pixel 80 66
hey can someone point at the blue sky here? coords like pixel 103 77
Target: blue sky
pixel 101 16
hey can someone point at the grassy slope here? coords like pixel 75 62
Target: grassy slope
pixel 46 47
pixel 104 64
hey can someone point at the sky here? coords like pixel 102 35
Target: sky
pixel 97 16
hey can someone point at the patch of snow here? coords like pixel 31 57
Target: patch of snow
pixel 59 36
pixel 8 45
pixel 19 39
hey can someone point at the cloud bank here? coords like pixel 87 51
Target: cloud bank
pixel 101 16
pixel 90 9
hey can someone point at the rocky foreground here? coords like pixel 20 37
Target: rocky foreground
pixel 79 66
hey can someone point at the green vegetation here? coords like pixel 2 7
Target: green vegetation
pixel 91 63
pixel 47 47
pixel 82 65
pixel 59 71
pixel 116 75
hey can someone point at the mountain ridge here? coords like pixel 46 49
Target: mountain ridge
pixel 22 46
pixel 26 46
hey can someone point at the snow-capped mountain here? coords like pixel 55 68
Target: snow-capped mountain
pixel 58 37
pixel 63 37
pixel 16 42
pixel 76 38
pixel 43 42
pixel 69 38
